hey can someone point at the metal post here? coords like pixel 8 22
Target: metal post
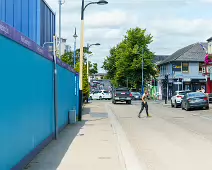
pixel 75 39
pixel 60 4
pixel 87 66
pixel 81 60
pixel 182 83
pixel 167 96
pixel 55 91
pixel 142 86
pixel 178 85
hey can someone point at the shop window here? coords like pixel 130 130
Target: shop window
pixel 185 67
pixel 200 67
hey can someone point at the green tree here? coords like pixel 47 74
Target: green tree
pixel 93 68
pixel 124 64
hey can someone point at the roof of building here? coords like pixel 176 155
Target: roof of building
pixel 159 58
pixel 193 52
pixel 209 39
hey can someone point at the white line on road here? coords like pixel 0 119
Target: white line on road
pixel 204 117
pixel 130 159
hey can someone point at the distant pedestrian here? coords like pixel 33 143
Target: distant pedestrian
pixel 144 104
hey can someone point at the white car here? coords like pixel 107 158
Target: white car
pixel 176 100
pixel 101 94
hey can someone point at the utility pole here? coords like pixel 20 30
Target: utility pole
pixel 75 38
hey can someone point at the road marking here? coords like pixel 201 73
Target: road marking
pixel 127 154
pixel 204 117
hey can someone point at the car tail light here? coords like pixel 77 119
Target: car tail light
pixel 130 94
pixel 179 97
pixel 205 98
pixel 115 94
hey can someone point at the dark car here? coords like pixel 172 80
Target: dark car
pixel 136 96
pixel 121 95
pixel 195 100
pixel 210 97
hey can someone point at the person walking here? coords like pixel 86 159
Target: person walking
pixel 144 104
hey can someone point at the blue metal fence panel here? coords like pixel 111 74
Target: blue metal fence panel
pixel 17 16
pixel 47 21
pixel 66 94
pixel 10 10
pixel 27 112
pixel 3 10
pixel 25 17
pixel 34 18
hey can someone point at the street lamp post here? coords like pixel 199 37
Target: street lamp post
pixel 142 72
pixel 60 5
pixel 75 38
pixel 100 2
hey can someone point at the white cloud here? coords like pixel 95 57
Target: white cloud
pixel 162 18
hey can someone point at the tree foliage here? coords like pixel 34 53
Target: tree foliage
pixel 93 68
pixel 124 64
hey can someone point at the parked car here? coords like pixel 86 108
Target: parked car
pixel 100 94
pixel 121 95
pixel 136 96
pixel 176 99
pixel 210 97
pixel 195 100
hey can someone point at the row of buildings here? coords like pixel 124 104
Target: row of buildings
pixel 188 69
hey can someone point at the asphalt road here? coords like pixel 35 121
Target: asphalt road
pixel 173 139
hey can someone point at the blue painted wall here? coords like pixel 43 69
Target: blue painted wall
pixel 33 18
pixel 27 105
pixel 66 94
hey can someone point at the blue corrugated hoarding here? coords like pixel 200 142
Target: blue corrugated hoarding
pixel 33 18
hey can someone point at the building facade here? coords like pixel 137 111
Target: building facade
pixel 185 70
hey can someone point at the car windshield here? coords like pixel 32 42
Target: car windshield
pixel 135 93
pixel 182 93
pixel 198 94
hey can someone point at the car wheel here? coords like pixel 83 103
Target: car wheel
pixel 182 106
pixel 207 108
pixel 172 104
pixel 175 104
pixel 100 97
pixel 91 98
pixel 187 108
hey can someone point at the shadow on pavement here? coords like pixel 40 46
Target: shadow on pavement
pixel 51 156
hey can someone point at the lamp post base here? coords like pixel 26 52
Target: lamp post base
pixel 80 105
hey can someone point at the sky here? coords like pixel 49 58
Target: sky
pixel 172 23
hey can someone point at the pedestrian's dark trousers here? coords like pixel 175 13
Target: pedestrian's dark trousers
pixel 142 108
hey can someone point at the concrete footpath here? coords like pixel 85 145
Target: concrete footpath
pixel 87 145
